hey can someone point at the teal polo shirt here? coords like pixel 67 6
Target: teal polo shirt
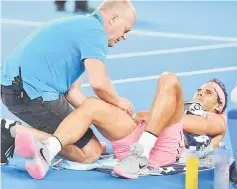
pixel 52 57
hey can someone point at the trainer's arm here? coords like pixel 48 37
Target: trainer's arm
pixel 211 125
pixel 74 95
pixel 100 81
pixel 141 116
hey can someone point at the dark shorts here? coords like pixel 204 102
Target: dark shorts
pixel 44 116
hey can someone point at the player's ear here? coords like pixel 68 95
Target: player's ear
pixel 218 107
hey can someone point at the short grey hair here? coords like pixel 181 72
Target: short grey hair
pixel 118 6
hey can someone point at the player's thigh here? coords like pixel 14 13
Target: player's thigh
pixel 180 103
pixel 112 122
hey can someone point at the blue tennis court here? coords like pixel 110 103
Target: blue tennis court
pixel 196 40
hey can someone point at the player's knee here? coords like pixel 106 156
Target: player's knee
pixel 169 79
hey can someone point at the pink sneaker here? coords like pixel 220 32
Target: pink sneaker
pixel 35 153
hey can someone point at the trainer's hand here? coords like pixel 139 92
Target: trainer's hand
pixel 125 104
pixel 141 116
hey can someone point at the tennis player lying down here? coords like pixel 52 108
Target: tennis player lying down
pixel 150 139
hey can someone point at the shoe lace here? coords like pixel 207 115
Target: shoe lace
pixel 132 157
pixel 10 151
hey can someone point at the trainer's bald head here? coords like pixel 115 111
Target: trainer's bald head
pixel 120 7
pixel 119 17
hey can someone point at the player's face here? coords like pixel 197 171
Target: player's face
pixel 207 96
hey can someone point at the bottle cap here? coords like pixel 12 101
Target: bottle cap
pixel 192 148
pixel 234 95
pixel 221 144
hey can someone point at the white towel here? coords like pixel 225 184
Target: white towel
pixel 105 161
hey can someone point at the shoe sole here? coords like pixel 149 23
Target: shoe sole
pixel 26 148
pixel 1 164
pixel 121 174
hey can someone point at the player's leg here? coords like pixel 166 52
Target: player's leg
pixel 111 121
pixel 166 110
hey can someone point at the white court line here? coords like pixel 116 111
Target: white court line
pixel 155 52
pixel 135 32
pixel 155 77
pixel 169 51
pixel 182 36
pixel 22 22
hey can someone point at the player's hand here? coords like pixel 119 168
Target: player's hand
pixel 126 105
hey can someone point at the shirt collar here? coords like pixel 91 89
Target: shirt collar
pixel 98 16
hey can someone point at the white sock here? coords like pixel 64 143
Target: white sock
pixel 148 141
pixel 13 131
pixel 54 146
pixel 12 128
